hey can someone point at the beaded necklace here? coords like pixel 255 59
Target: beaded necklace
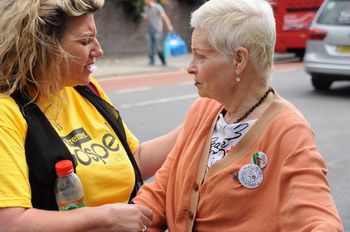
pixel 245 115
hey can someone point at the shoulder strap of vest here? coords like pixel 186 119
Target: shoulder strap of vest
pixel 113 117
pixel 43 148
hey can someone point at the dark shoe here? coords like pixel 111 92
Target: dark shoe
pixel 162 58
pixel 151 60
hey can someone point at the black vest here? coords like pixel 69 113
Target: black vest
pixel 44 147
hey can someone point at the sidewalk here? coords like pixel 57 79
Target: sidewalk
pixel 137 65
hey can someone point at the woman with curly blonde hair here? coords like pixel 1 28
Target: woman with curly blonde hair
pixel 52 109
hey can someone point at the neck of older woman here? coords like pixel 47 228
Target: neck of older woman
pixel 248 102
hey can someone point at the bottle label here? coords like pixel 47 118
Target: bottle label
pixel 64 206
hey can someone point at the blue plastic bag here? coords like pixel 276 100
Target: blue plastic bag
pixel 166 48
pixel 174 45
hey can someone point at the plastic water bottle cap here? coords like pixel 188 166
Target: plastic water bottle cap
pixel 64 168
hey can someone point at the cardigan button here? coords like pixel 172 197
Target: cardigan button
pixel 196 187
pixel 190 215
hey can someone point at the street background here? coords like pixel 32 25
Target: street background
pixel 153 100
pixel 114 67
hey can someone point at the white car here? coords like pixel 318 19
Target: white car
pixel 327 56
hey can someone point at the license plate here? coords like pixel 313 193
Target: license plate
pixel 344 49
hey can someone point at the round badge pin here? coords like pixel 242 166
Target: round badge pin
pixel 260 159
pixel 250 176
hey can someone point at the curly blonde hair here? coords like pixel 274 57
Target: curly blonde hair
pixel 30 50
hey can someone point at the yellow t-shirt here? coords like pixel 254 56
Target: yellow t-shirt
pixel 103 165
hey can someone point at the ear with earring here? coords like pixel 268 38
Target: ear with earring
pixel 237 76
pixel 237 63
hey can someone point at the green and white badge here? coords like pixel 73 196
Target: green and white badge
pixel 260 159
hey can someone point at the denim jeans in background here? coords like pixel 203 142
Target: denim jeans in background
pixel 155 46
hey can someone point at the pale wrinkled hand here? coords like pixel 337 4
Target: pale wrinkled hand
pixel 127 218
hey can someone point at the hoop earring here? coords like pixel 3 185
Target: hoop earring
pixel 238 78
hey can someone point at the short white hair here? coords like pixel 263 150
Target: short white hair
pixel 239 23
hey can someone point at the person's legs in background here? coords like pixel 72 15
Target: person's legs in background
pixel 159 47
pixel 151 46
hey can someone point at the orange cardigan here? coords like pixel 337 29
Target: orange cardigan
pixel 294 195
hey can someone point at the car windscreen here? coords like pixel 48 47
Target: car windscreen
pixel 335 13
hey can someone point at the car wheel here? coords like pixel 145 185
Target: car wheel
pixel 300 54
pixel 320 83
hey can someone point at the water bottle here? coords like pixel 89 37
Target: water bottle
pixel 68 188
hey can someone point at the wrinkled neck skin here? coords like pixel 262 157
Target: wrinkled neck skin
pixel 245 94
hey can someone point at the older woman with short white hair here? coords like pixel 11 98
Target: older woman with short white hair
pixel 246 159
pixel 53 109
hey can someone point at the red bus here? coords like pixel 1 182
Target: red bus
pixel 293 18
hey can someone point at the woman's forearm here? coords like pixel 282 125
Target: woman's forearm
pixel 114 217
pixel 151 154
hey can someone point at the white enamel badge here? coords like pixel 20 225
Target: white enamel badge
pixel 250 176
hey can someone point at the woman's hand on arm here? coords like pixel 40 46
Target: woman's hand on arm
pixel 112 217
pixel 151 154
